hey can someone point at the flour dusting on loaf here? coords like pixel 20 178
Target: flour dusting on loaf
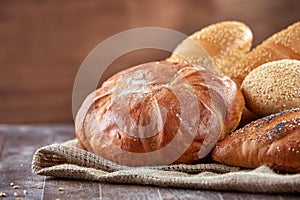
pixel 155 112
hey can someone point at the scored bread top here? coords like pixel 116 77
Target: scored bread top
pixel 155 106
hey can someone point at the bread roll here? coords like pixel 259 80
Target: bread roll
pixel 159 113
pixel 273 141
pixel 273 87
pixel 225 42
pixel 282 45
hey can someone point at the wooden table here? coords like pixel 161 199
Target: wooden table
pixel 19 142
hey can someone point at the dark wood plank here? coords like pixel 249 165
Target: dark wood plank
pixel 176 194
pixel 1 143
pixel 20 142
pixel 19 146
pixel 15 163
pixel 247 196
pixel 116 191
pixel 70 189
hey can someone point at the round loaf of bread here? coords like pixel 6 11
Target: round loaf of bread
pixel 273 87
pixel 159 113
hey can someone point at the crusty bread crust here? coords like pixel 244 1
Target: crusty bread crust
pixel 273 141
pixel 148 89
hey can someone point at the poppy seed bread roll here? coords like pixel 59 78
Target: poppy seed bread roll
pixel 159 113
pixel 273 141
pixel 225 42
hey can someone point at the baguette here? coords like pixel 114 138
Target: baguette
pixel 282 45
pixel 225 42
pixel 273 141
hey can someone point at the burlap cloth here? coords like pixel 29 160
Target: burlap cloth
pixel 69 160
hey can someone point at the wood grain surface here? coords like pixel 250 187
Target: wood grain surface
pixel 19 142
pixel 43 43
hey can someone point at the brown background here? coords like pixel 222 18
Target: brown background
pixel 42 43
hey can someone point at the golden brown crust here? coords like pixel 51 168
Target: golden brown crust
pixel 282 45
pixel 273 87
pixel 273 141
pixel 226 42
pixel 154 95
